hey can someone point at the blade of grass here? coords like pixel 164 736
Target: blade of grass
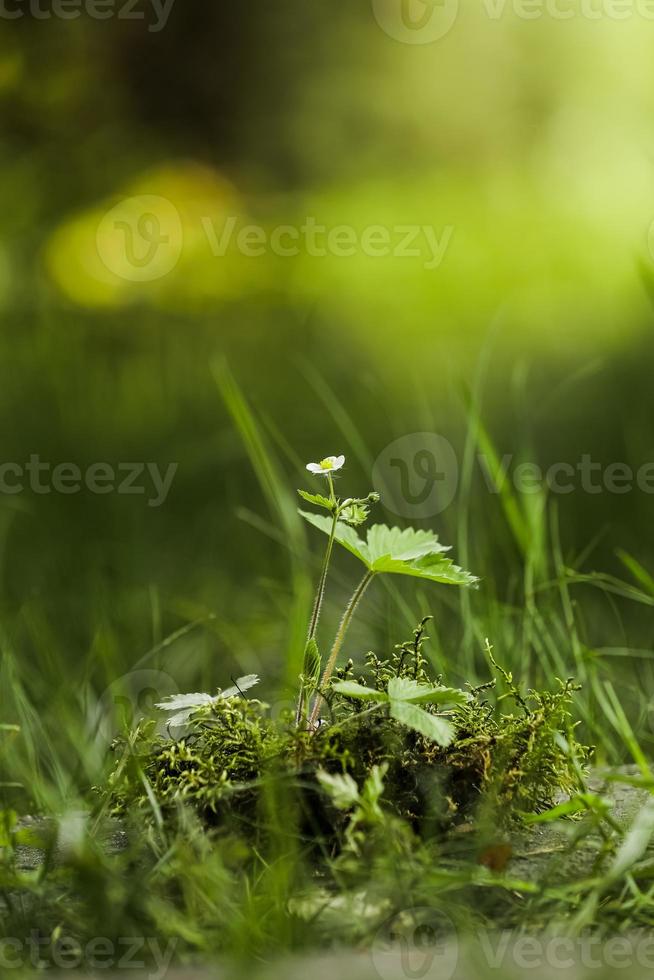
pixel 640 573
pixel 281 504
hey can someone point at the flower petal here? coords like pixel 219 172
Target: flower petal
pixel 326 465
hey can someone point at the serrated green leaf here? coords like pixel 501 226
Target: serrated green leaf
pixel 317 499
pixel 350 689
pixel 342 790
pixel 405 689
pixel 312 661
pixel 345 535
pixel 406 544
pixel 390 550
pixel 437 729
pixel 434 568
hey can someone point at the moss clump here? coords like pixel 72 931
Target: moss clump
pixel 496 762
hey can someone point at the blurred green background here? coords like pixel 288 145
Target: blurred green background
pixel 527 142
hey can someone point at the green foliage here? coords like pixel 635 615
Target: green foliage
pixel 377 798
pixel 230 744
pixel 437 729
pixel 185 705
pixel 403 697
pixel 312 662
pixel 389 550
pixel 318 500
pixel 444 753
pixel 342 790
pixel 385 551
pixel 247 832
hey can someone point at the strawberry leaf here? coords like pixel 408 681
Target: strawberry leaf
pixel 437 729
pixel 405 689
pixel 391 550
pixel 350 689
pixel 317 499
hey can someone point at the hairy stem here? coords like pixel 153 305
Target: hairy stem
pixel 338 641
pixel 320 595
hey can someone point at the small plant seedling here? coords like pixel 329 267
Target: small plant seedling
pixel 385 550
pixel 397 729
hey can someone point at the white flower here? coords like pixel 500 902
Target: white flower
pixel 191 702
pixel 326 466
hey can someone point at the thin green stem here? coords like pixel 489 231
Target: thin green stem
pixel 320 593
pixel 358 716
pixel 322 581
pixel 338 641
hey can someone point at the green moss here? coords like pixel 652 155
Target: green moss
pixel 499 764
